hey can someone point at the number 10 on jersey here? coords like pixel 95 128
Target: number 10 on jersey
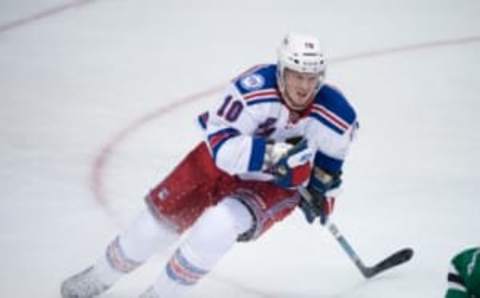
pixel 230 109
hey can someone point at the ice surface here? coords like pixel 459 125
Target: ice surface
pixel 84 133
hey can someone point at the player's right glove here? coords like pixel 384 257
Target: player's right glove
pixel 294 166
pixel 323 189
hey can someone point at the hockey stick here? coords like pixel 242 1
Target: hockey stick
pixel 397 258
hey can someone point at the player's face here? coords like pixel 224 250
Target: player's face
pixel 300 88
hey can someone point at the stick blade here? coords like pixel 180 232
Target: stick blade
pixel 398 258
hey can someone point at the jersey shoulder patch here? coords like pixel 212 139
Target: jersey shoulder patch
pixel 259 85
pixel 252 82
pixel 333 110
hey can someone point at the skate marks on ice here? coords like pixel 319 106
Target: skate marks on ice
pixel 52 11
pixel 359 287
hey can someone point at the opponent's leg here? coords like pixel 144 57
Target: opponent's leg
pixel 210 238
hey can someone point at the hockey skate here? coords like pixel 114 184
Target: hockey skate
pixel 85 284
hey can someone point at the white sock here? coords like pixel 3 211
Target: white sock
pixel 210 238
pixel 143 238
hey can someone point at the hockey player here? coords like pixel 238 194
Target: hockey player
pixel 277 127
pixel 464 275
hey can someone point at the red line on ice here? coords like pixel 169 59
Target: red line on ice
pixel 408 48
pixel 101 160
pixel 42 15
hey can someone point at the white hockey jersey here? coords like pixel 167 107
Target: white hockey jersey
pixel 252 112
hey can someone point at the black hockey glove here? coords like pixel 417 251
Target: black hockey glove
pixel 322 188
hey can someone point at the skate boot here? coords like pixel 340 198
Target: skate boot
pixel 85 284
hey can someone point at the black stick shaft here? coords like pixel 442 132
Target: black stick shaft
pixel 339 237
pixel 395 259
pixel 347 248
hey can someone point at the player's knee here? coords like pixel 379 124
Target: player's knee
pixel 215 232
pixel 147 228
pixel 145 236
pixel 229 217
pixel 242 219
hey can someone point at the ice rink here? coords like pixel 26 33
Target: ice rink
pixel 99 101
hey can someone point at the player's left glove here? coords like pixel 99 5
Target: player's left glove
pixel 294 167
pixel 323 189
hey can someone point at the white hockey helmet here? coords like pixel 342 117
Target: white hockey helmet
pixel 300 53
